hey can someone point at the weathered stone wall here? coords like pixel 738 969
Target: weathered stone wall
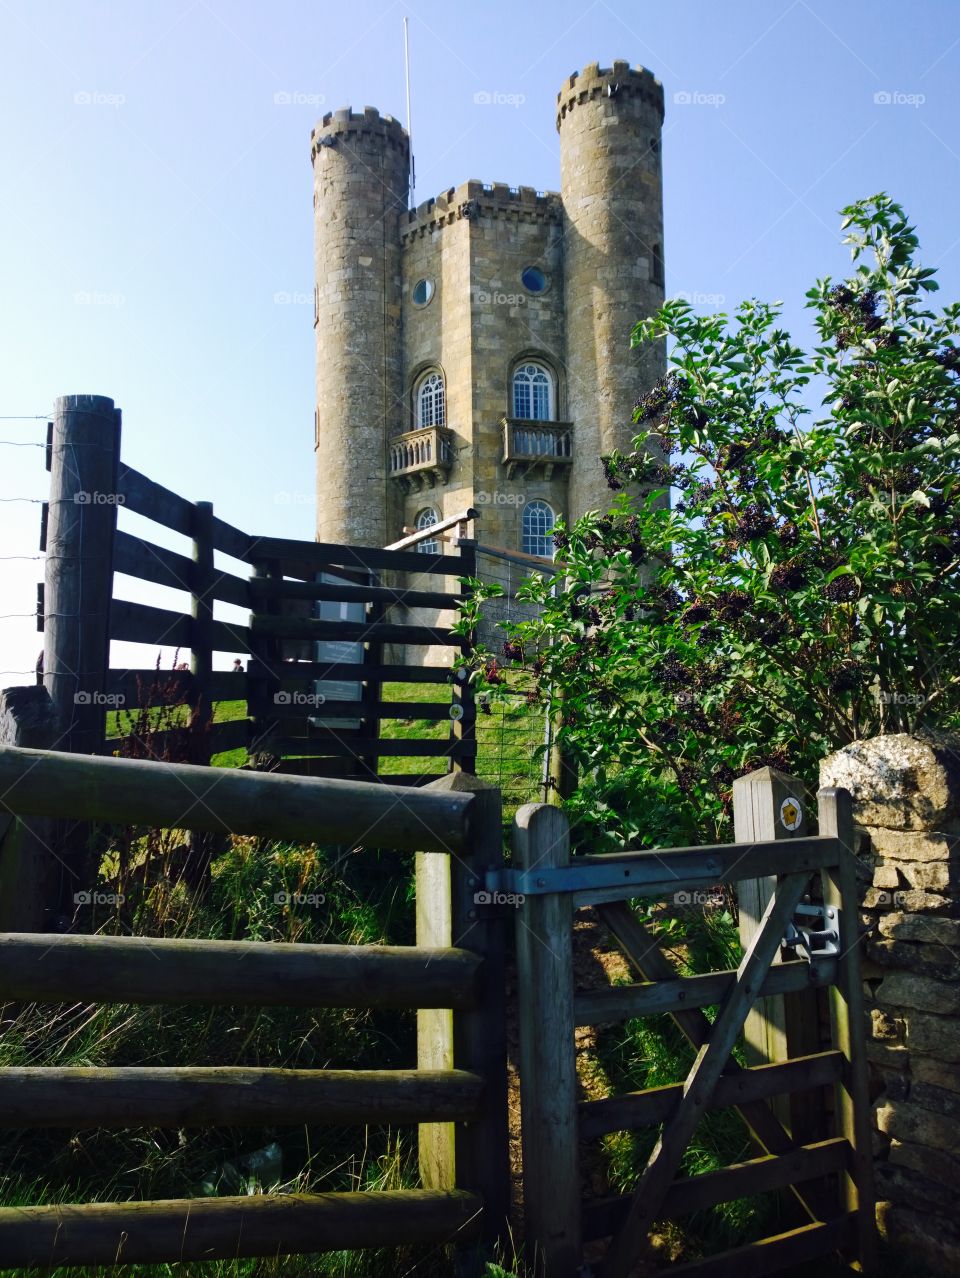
pixel 906 794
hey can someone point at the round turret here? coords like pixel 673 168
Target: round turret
pixel 361 168
pixel 609 122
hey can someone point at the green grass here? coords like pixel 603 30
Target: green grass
pixel 508 738
pixel 651 1052
pixel 507 742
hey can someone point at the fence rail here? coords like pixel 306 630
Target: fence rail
pixel 456 1095
pixel 288 600
pixel 227 1228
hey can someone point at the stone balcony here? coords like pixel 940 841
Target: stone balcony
pixel 420 458
pixel 531 444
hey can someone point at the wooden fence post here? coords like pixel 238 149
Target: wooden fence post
pixel 451 912
pixel 769 805
pixel 84 460
pixel 201 608
pixel 849 1023
pixel 28 868
pixel 464 728
pixel 263 670
pixel 548 1067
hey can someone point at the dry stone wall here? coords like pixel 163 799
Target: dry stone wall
pixel 906 794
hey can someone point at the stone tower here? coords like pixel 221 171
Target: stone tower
pixel 611 187
pixel 360 189
pixel 475 351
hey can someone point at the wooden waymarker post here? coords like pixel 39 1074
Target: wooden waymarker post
pixel 771 806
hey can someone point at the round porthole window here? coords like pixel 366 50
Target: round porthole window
pixel 533 279
pixel 423 292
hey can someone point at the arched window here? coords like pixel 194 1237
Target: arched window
pixel 430 398
pixel 533 393
pixel 426 519
pixel 538 521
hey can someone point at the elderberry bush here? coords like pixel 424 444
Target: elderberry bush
pixel 779 572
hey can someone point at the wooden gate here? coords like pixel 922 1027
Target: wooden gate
pixel 394 598
pixel 830 1181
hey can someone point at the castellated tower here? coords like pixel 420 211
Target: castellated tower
pixel 611 186
pixel 361 164
pixel 475 351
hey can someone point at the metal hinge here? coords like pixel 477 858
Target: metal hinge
pixel 821 939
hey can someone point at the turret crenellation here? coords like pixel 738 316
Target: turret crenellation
pixel 369 121
pixel 481 199
pixel 620 80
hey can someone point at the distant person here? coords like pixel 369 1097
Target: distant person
pixel 237 666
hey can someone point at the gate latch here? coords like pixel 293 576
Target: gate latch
pixel 815 931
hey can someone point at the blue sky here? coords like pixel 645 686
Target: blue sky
pixel 155 204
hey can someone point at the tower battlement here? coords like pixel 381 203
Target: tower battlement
pixel 620 80
pixel 367 122
pixel 474 351
pixel 474 199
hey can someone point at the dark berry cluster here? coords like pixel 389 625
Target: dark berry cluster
pixel 665 392
pixel 671 673
pixel 611 473
pixel 753 522
pixel 788 534
pixel 855 309
pixel 512 651
pixel 843 589
pixel 788 576
pixel 665 599
pixel 731 605
pixel 728 717
pixel 846 677
pixel 699 610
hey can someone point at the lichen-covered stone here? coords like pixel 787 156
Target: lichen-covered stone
pixel 914 845
pixel 909 1122
pixel 911 900
pixel 933 1239
pixel 930 1035
pixel 927 993
pixel 920 927
pixel 942 961
pixel 899 782
pixel 886 876
pixel 924 1069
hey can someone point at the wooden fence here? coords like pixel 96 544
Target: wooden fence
pixel 290 720
pixel 458 1093
pixel 829 1180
